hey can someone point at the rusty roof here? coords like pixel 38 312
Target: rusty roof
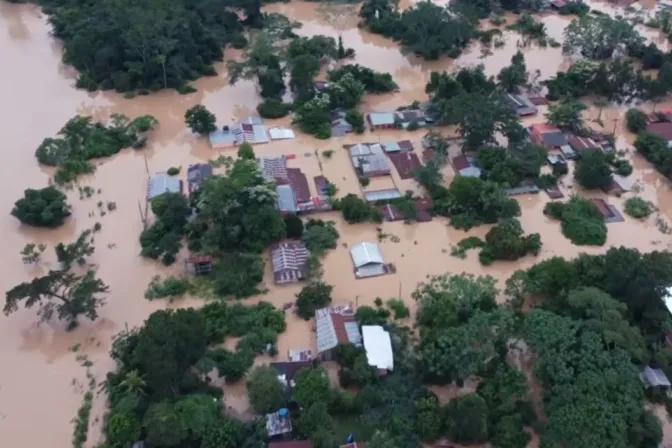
pixel 663 130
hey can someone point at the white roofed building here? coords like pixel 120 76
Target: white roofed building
pixel 378 347
pixel 367 260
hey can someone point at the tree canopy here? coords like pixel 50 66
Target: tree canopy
pixel 46 207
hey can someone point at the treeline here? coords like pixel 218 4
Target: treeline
pixel 133 47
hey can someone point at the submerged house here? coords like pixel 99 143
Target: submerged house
pixel 400 119
pixel 547 136
pixel 369 159
pixel 520 104
pixel 378 347
pixel 652 377
pixel 250 130
pixel 289 261
pixel 162 183
pixel 334 326
pixel 196 174
pixel 368 261
pixel 466 166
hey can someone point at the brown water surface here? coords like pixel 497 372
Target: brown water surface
pixel 40 379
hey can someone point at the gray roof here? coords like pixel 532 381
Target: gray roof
pixel 654 377
pixel 286 201
pixel 381 195
pixel 365 253
pixel 381 118
pixel 221 137
pixel 567 151
pixel 369 157
pixel 554 138
pixel 253 119
pixel 162 183
pixel 391 146
pixel 196 174
pixel 335 325
pixel 277 425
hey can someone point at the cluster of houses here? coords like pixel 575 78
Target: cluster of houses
pixel 334 326
pixel 248 130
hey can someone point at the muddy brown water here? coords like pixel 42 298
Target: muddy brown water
pixel 41 380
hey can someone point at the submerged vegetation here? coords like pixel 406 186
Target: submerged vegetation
pixel 46 207
pixel 582 223
pixel 80 140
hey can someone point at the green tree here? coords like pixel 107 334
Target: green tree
pixel 638 208
pixel 245 151
pixel 600 36
pixel 304 69
pixel 260 61
pixel 313 296
pixel 635 120
pixel 164 426
pixel 320 235
pixel 356 210
pixel 312 117
pixel 505 241
pixel 592 170
pixel 75 252
pixel 163 238
pixel 356 120
pixel 467 419
pixel 31 253
pixel 428 424
pixel 200 120
pixel 237 274
pixel 46 207
pixel 225 433
pixel 314 419
pixel 566 115
pixel 311 387
pixel 264 390
pixel 513 77
pixel 60 292
pixel 346 93
pixel 122 429
pixel 294 225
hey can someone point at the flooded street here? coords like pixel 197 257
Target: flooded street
pixel 40 378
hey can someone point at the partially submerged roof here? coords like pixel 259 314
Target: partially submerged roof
pixel 382 195
pixel 285 201
pixel 273 168
pixel 197 173
pixel 520 104
pixel 381 118
pixel 281 133
pixel 406 162
pixel 466 166
pixel 663 130
pixel 365 253
pixel 162 183
pixel 581 143
pixel 289 260
pixel 287 370
pixel 336 325
pixel 378 347
pixel 369 159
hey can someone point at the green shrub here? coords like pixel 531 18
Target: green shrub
pixel 635 120
pixel 294 225
pixel 638 208
pixel 46 207
pixel 399 308
pixel 171 287
pixel 623 167
pixel 272 108
pixel 364 181
pixel 581 222
pixel 173 171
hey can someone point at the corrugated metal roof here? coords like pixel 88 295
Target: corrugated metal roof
pixel 281 133
pixel 162 183
pixel 381 118
pixel 286 201
pixel 365 253
pixel 381 195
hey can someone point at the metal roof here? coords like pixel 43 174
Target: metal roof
pixel 162 183
pixel 281 133
pixel 378 347
pixel 365 253
pixel 654 377
pixel 382 195
pixel 381 118
pixel 335 325
pixel 286 201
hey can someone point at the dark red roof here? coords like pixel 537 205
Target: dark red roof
pixel 405 145
pixel 247 127
pixel 299 184
pixel 199 259
pixel 460 163
pixel 579 143
pixel 291 444
pixel 289 368
pixel 663 130
pixel 405 163
pixel 538 100
pixel 602 207
pixel 339 321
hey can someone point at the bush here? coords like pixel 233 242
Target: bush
pixel 294 225
pixel 638 208
pixel 173 171
pixel 656 151
pixel 170 287
pixel 356 119
pixel 506 241
pixel 46 207
pixel 623 167
pixel 546 181
pixel 581 222
pixel 200 120
pixel 364 181
pixel 635 120
pixel 592 170
pixel 318 236
pixel 163 238
pixel 467 419
pixel 357 210
pixel 272 108
pixel 374 82
pixel 312 297
pixel 245 151
pixel 365 315
pixel 399 308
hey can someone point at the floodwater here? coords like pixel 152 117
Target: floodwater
pixel 41 379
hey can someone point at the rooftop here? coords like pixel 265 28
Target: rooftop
pixel 369 159
pixel 291 444
pixel 381 118
pixel 365 253
pixel 466 166
pixel 287 370
pixel 196 174
pixel 581 143
pixel 378 347
pixel 405 162
pixel 335 325
pixel 286 202
pixel 654 377
pixel 162 183
pixel 277 424
pixel 289 261
pixel 663 130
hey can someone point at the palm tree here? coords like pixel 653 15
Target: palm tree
pixel 133 383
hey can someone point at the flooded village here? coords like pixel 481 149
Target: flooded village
pixel 47 371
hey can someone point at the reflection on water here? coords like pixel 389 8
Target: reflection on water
pixel 38 98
